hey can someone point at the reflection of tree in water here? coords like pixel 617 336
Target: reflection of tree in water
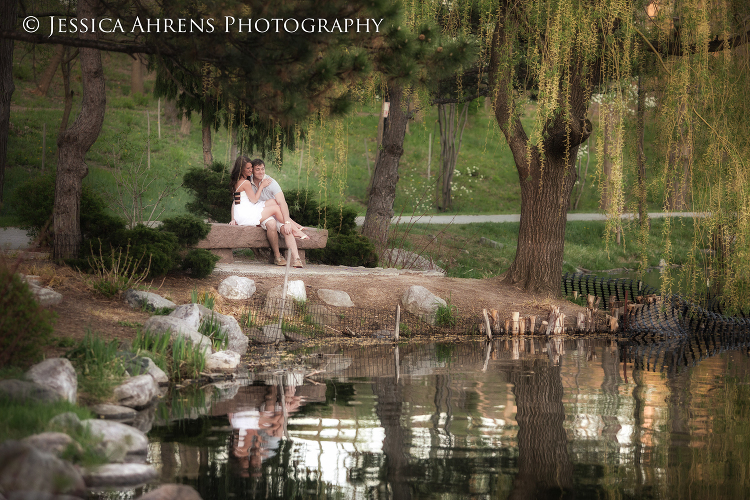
pixel 389 411
pixel 544 466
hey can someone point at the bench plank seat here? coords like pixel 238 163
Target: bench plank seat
pixel 223 238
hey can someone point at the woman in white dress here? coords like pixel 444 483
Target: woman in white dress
pixel 247 210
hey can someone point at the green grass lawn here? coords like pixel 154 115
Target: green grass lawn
pixel 334 158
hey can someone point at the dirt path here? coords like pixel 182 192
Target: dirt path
pixel 83 310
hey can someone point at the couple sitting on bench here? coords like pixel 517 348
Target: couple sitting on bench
pixel 259 201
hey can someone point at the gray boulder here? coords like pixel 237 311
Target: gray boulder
pixel 118 475
pixel 421 302
pixel 178 328
pixel 222 361
pixel 52 442
pixel 20 467
pixel 194 314
pixel 45 295
pixel 120 442
pixel 337 298
pixel 119 413
pixel 172 492
pixel 398 257
pixel 137 392
pixel 147 300
pixel 57 374
pixel 143 365
pixel 237 288
pixel 21 390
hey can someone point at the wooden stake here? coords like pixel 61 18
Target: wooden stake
pixel 507 326
pixel 522 326
pixel 487 324
pixel 581 322
pixel 514 319
pixel 398 322
pixel 495 320
pixel 532 324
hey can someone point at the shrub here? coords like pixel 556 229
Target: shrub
pixel 24 326
pixel 305 211
pixel 161 246
pixel 189 229
pixel 115 272
pixel 347 250
pixel 210 190
pixel 34 201
pixel 200 261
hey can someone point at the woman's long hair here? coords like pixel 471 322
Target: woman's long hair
pixel 239 164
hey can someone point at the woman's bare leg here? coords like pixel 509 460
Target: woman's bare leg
pixel 296 228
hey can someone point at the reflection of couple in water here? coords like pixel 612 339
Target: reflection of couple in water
pixel 259 201
pixel 257 432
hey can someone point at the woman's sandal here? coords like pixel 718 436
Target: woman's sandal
pixel 297 263
pixel 279 261
pixel 299 231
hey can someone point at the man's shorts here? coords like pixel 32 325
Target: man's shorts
pixel 278 226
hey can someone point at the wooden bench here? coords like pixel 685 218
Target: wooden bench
pixel 223 238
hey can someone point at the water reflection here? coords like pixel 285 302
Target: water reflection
pixel 515 418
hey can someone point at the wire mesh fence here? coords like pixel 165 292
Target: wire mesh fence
pixel 310 319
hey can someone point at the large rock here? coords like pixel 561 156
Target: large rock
pixel 121 414
pixel 52 442
pixel 337 298
pixel 25 468
pixel 58 374
pixel 195 314
pixel 237 288
pixel 143 365
pixel 21 390
pixel 295 291
pixel 118 475
pixel 178 328
pixel 45 295
pixel 222 361
pixel 398 257
pixel 421 302
pixel 147 300
pixel 137 392
pixel 120 442
pixel 172 492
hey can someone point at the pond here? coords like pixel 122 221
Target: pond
pixel 514 418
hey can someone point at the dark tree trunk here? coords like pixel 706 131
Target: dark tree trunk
pixel 136 75
pixel 641 158
pixel 544 466
pixel 8 14
pixel 74 143
pixel 49 73
pixel 383 186
pixel 451 134
pixel 67 93
pixel 546 179
pixel 208 157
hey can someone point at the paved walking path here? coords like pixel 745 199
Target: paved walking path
pixel 470 219
pixel 12 238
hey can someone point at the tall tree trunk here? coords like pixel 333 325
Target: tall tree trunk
pixel 208 157
pixel 546 180
pixel 74 143
pixel 136 75
pixel 641 158
pixel 67 93
pixel 383 187
pixel 544 466
pixel 451 134
pixel 8 14
pixel 50 71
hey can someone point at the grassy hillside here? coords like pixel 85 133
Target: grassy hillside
pixel 486 180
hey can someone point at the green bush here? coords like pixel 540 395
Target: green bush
pixel 346 250
pixel 210 190
pixel 189 229
pixel 305 211
pixel 156 252
pixel 24 326
pixel 200 261
pixel 34 201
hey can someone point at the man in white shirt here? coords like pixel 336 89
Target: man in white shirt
pixel 287 228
